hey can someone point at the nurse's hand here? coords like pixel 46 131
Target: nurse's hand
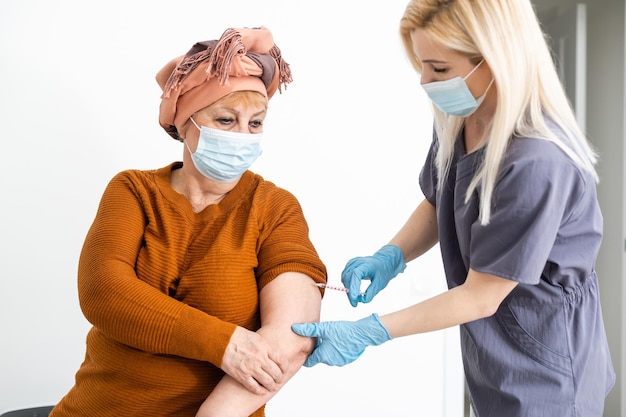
pixel 342 342
pixel 379 268
pixel 252 362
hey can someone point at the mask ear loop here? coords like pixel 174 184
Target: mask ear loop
pixel 474 69
pixel 480 99
pixel 489 86
pixel 185 141
pixel 194 123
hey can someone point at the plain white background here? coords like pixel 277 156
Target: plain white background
pixel 78 103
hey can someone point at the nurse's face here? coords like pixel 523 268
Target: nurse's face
pixel 441 63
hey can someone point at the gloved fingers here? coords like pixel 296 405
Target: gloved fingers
pixel 332 352
pixel 306 329
pixel 361 299
pixel 351 264
pixel 313 359
pixel 370 292
pixel 311 330
pixel 356 264
pixel 354 301
pixel 354 293
pixel 342 342
pixel 353 283
pixel 354 280
pixel 347 275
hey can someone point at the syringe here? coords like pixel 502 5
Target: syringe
pixel 332 287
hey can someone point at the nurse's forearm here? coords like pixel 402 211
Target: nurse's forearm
pixel 419 233
pixel 477 298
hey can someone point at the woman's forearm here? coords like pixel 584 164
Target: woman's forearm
pixel 289 298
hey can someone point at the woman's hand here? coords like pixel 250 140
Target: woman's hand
pixel 252 362
pixel 290 297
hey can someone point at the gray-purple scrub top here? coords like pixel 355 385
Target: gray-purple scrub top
pixel 544 352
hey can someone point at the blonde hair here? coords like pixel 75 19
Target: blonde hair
pixel 508 36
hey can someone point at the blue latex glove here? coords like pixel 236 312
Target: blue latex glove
pixel 379 268
pixel 342 342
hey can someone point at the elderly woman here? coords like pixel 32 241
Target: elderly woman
pixel 192 274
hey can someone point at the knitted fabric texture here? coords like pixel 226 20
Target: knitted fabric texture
pixel 164 288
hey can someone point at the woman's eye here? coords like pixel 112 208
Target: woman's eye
pixel 440 70
pixel 256 123
pixel 225 120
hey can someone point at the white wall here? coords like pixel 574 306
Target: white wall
pixel 79 103
pixel 605 125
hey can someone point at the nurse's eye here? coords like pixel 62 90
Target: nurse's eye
pixel 440 70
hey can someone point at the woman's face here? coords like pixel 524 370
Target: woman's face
pixel 440 63
pixel 236 114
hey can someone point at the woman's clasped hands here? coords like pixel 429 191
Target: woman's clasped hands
pixel 253 362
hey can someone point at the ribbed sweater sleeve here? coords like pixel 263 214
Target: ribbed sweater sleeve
pixel 283 221
pixel 126 308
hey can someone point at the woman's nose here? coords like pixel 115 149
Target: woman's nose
pixel 241 128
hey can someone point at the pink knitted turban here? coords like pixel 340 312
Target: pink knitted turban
pixel 242 59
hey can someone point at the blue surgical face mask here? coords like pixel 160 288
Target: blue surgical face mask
pixel 222 155
pixel 453 96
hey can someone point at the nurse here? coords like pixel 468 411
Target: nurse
pixel 510 196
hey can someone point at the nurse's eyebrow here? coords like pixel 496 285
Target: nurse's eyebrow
pixel 433 61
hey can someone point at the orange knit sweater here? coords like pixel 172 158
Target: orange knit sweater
pixel 164 288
